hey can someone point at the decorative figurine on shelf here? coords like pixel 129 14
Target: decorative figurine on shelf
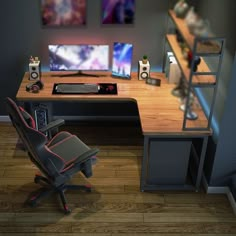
pixel 179 37
pixel 180 90
pixel 181 9
pixel 196 61
pixel 196 25
pixel 184 50
pixel 191 115
pixel 201 28
pixel 31 59
pixel 191 19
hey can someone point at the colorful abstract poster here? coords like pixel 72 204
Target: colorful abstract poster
pixel 118 11
pixel 63 12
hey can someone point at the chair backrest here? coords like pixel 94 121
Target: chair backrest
pixel 33 140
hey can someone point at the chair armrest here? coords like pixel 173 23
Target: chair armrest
pixel 52 125
pixel 82 164
pixel 85 156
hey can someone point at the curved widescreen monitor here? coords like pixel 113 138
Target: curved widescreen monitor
pixel 122 60
pixel 78 57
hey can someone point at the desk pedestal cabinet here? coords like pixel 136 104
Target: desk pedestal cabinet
pixel 172 162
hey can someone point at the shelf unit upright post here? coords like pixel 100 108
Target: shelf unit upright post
pixel 213 83
pixel 203 77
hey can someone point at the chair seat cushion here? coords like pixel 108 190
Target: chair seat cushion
pixel 67 146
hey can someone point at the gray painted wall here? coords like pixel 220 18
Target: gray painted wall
pixel 221 154
pixel 221 16
pixel 225 157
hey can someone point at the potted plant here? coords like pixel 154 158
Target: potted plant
pixel 145 59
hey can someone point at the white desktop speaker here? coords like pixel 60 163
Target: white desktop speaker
pixel 34 70
pixel 143 70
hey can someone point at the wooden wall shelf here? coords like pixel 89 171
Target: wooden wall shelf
pixel 209 46
pixel 203 77
pixel 202 67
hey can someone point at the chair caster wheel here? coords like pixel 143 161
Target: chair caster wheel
pixel 36 179
pixel 67 212
pixel 32 204
pixel 88 190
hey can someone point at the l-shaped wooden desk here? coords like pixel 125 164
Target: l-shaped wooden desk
pixel 169 152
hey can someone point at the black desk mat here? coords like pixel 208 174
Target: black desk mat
pixel 103 89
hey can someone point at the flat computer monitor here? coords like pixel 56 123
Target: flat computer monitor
pixel 122 60
pixel 83 57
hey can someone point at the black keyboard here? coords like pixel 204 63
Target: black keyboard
pixel 85 88
pixel 77 88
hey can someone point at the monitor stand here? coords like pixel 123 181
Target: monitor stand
pixel 79 74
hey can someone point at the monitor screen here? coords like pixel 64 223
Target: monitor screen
pixel 122 60
pixel 78 57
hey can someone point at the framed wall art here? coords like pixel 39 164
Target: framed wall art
pixel 118 11
pixel 63 12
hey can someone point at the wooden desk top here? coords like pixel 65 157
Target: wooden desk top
pixel 158 110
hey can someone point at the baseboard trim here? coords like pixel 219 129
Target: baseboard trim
pixel 97 118
pixel 232 201
pixel 86 118
pixel 220 190
pixel 216 190
pixel 224 190
pixel 4 119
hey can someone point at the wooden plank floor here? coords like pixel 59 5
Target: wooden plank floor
pixel 115 206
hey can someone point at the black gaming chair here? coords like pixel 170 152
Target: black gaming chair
pixel 58 159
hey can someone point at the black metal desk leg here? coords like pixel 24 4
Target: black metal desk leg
pixel 201 163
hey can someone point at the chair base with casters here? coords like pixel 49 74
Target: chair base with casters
pixel 57 183
pixel 47 189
